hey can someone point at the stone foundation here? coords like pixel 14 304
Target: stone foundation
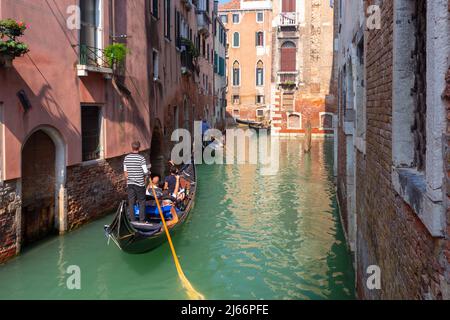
pixel 10 203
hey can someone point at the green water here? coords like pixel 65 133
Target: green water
pixel 249 237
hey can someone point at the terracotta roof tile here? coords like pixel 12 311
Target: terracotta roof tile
pixel 231 5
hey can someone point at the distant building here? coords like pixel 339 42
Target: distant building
pixel 302 60
pixel 220 74
pixel 249 25
pixel 280 62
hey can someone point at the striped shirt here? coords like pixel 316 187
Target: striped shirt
pixel 136 167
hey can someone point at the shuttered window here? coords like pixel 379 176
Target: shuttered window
pixel 288 57
pixel 288 6
pixel 90 131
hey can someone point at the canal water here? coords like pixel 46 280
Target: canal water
pixel 249 237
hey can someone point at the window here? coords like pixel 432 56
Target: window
pixel 90 131
pixel 155 65
pixel 187 115
pixel 236 74
pixel 260 113
pixel 155 8
pixel 260 39
pixel 294 121
pixel 236 18
pixel 260 73
pixel 236 39
pixel 177 29
pixel 288 6
pixel 90 28
pixel 326 120
pixel 260 99
pixel 260 17
pixel 221 66
pixel 416 177
pixel 224 18
pixel 288 57
pixel 167 19
pixel 236 99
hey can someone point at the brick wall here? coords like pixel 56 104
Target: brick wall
pixel 390 234
pixel 9 204
pixel 94 190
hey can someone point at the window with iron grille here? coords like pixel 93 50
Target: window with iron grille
pixel 90 131
pixel 420 86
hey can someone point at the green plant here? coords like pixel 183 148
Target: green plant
pixel 190 47
pixel 116 53
pixel 289 83
pixel 10 30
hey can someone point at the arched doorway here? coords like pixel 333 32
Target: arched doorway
pixel 43 180
pixel 157 159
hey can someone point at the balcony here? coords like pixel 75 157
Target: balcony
pixel 288 19
pixel 92 60
pixel 203 18
pixel 187 63
pixel 288 78
pixel 203 22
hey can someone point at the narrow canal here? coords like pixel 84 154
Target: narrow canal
pixel 249 237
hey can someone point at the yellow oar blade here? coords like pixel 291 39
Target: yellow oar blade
pixel 190 291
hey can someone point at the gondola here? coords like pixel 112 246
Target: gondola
pixel 137 238
pixel 258 127
pixel 247 122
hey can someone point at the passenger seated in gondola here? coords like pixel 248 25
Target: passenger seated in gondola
pixel 155 182
pixel 173 187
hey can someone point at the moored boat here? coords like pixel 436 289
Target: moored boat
pixel 135 237
pixel 247 122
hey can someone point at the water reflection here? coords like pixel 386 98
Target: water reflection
pixel 250 236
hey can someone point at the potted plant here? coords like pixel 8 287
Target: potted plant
pixel 289 83
pixel 190 47
pixel 10 47
pixel 115 55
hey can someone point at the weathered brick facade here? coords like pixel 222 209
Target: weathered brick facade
pixel 390 233
pixel 94 190
pixel 9 204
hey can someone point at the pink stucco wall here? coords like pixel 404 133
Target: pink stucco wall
pixel 49 77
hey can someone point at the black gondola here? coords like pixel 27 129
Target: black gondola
pixel 136 238
pixel 247 122
pixel 259 127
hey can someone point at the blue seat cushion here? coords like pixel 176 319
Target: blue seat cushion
pixel 152 212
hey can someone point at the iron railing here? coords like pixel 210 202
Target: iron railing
pixel 288 78
pixel 288 19
pixel 93 57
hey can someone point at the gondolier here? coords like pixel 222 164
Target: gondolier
pixel 135 168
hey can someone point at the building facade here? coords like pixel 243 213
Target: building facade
pixel 220 76
pixel 391 59
pixel 68 116
pixel 249 57
pixel 302 55
pixel 284 73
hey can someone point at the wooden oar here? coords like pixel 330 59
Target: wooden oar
pixel 191 292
